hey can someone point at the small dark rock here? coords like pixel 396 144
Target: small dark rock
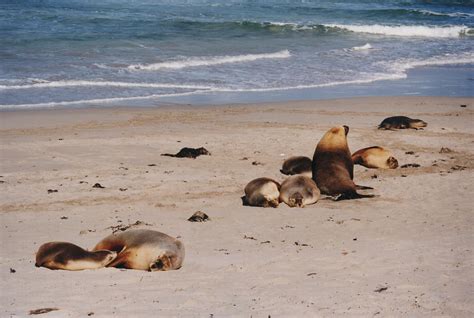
pixel 463 105
pixel 249 238
pixel 410 165
pixel 42 311
pixel 52 191
pixel 265 242
pixel 152 165
pixel 90 313
pixel 64 218
pixel 123 189
pixel 354 239
pixel 381 289
pixel 410 153
pixel 98 185
pixel 12 270
pixel 403 176
pixel 374 176
pixel 257 163
pixel 199 217
pixel 445 150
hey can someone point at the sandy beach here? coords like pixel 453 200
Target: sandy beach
pixel 408 252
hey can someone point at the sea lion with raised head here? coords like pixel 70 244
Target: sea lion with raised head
pixel 401 122
pixel 333 169
pixel 67 256
pixel 297 165
pixel 298 191
pixel 264 192
pixel 144 250
pixel 375 157
pixel 187 152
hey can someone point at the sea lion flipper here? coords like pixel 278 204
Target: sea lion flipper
pixel 168 154
pixel 245 202
pixel 361 187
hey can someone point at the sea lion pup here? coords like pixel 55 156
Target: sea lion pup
pixel 189 153
pixel 67 256
pixel 262 192
pixel 375 157
pixel 333 169
pixel 297 165
pixel 144 249
pixel 401 122
pixel 298 191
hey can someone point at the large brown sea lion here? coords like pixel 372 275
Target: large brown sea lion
pixel 298 191
pixel 333 169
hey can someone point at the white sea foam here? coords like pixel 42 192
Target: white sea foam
pixel 403 65
pixel 449 14
pixel 364 47
pixel 207 61
pixel 58 84
pixel 405 30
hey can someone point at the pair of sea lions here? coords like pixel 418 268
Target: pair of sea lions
pixel 295 191
pixel 134 249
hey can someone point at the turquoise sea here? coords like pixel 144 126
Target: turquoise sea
pixel 69 53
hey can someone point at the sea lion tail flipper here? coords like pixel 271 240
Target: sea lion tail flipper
pixel 352 196
pixel 120 261
pixel 168 154
pixel 361 187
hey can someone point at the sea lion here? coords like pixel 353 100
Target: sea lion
pixel 375 157
pixel 298 191
pixel 67 256
pixel 144 249
pixel 297 165
pixel 189 153
pixel 262 192
pixel 401 122
pixel 333 169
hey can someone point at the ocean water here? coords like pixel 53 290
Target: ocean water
pixel 81 52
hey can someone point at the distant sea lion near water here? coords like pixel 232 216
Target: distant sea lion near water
pixel 297 165
pixel 333 169
pixel 263 192
pixel 67 256
pixel 401 122
pixel 189 153
pixel 375 157
pixel 298 191
pixel 144 250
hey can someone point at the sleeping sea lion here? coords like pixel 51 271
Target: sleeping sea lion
pixel 333 169
pixel 67 256
pixel 375 157
pixel 298 191
pixel 144 249
pixel 262 192
pixel 401 122
pixel 297 165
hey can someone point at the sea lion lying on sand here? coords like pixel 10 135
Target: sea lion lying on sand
pixel 298 191
pixel 189 153
pixel 264 192
pixel 144 249
pixel 297 165
pixel 401 122
pixel 375 157
pixel 333 169
pixel 67 256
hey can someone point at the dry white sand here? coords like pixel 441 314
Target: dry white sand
pixel 415 238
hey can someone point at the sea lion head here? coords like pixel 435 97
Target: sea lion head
pixel 296 200
pixel 162 263
pixel 203 151
pixel 271 203
pixel 334 138
pixel 417 123
pixel 392 163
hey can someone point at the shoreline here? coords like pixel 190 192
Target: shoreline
pixel 450 80
pixel 406 252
